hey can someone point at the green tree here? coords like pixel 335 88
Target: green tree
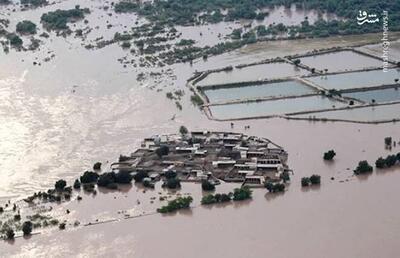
pixel 26 27
pixel 183 130
pixel 240 194
pixel 10 234
pixel 207 186
pixel 305 181
pixel 315 179
pixel 77 184
pixel 329 155
pixel 363 168
pixel 60 185
pixel 27 227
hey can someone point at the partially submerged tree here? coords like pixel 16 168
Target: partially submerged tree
pixel 207 186
pixel 363 168
pixel 183 130
pixel 60 185
pixel 27 227
pixel 329 155
pixel 97 166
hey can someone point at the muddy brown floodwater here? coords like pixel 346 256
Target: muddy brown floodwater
pixel 56 120
pixel 346 217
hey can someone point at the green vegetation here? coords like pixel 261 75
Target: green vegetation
pixel 185 42
pixel 126 7
pixel 97 166
pixel 196 100
pixel 126 44
pixel 363 168
pixel 178 203
pixel 312 180
pixel 240 194
pixel 217 198
pixel 15 41
pixel 34 3
pixel 140 175
pixel 388 141
pixel 111 179
pixel 207 186
pixel 305 181
pixel 188 12
pixel 57 20
pixel 27 227
pixel 10 234
pixel 183 130
pixel 89 177
pixel 60 185
pixel 274 187
pixel 315 179
pixel 77 184
pixel 387 162
pixel 284 176
pixel 61 226
pixel 172 183
pixel 26 27
pixel 329 155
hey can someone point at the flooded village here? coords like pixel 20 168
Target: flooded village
pixel 138 129
pixel 213 156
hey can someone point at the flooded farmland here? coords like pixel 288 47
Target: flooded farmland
pixel 382 95
pixel 357 79
pixel 277 89
pixel 340 61
pixel 252 73
pixel 270 108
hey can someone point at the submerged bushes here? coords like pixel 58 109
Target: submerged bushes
pixel 312 180
pixel 177 204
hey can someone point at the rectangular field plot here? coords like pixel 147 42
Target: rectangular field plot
pixel 382 95
pixel 276 89
pixel 253 73
pixel 273 107
pixel 365 114
pixel 356 79
pixel 340 61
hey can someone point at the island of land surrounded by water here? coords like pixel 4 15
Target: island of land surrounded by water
pixel 82 82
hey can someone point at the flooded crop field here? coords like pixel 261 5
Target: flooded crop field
pixel 357 79
pixel 382 95
pixel 253 73
pixel 272 107
pixel 341 61
pixel 358 82
pixel 385 113
pixel 277 89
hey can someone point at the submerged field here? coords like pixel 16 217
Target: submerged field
pixel 357 83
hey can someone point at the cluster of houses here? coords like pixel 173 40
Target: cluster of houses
pixel 213 156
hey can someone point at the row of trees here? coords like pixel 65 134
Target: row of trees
pixel 216 198
pixel 57 20
pixel 387 162
pixel 178 203
pixel 312 180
